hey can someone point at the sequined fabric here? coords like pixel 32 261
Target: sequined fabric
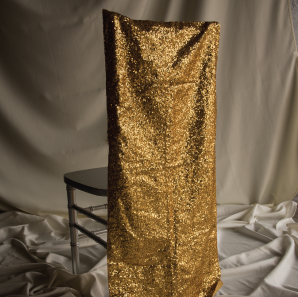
pixel 161 103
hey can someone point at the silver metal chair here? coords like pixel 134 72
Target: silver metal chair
pixel 92 181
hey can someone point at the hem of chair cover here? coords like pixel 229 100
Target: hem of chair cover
pixel 218 286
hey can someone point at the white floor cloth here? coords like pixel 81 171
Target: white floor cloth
pixel 257 251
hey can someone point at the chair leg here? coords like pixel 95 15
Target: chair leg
pixel 74 240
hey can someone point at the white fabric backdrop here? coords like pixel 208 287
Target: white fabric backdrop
pixel 52 96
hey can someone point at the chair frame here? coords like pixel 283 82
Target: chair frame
pixel 73 182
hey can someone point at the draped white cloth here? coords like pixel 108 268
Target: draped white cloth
pixel 53 105
pixel 257 245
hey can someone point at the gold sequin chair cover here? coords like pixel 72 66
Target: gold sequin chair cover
pixel 161 104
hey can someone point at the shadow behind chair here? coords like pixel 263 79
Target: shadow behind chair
pixel 92 181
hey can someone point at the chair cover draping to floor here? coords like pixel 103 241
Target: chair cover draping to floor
pixel 161 104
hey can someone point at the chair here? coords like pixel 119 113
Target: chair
pixel 92 181
pixel 161 107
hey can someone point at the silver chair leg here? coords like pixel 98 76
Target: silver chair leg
pixel 74 240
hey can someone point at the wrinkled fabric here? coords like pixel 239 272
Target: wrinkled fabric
pixel 35 258
pixel 257 248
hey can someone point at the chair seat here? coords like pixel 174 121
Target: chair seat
pixel 93 181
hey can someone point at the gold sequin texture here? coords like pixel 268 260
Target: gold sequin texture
pixel 161 104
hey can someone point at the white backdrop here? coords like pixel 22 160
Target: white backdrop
pixel 52 96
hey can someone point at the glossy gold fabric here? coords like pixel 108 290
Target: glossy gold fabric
pixel 161 103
